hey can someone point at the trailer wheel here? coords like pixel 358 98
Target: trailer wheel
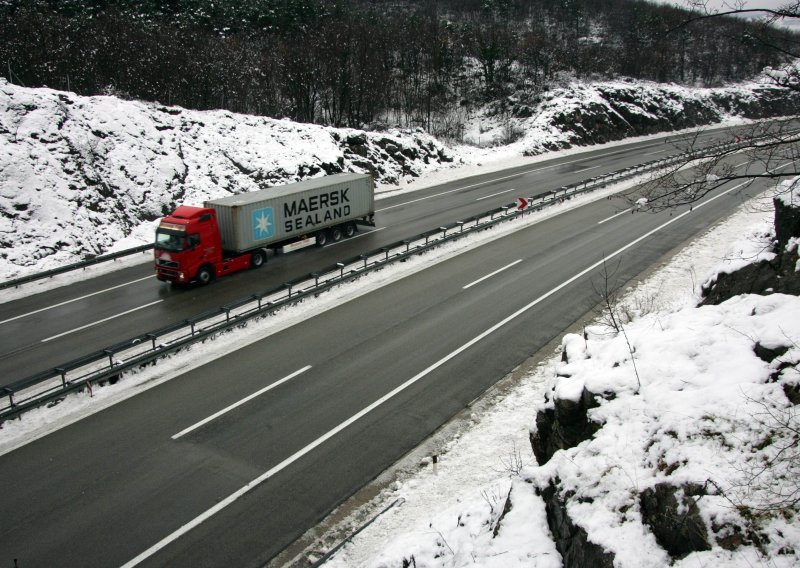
pixel 349 230
pixel 336 234
pixel 205 275
pixel 322 238
pixel 257 259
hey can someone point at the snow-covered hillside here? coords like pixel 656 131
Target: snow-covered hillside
pixel 691 424
pixel 594 113
pixel 83 175
pixel 77 174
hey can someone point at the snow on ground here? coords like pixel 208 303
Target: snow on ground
pixel 79 174
pixel 87 175
pixel 701 387
pixel 469 162
pixel 446 513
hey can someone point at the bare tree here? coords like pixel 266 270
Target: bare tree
pixel 763 150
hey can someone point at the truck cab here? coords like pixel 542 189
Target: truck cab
pixel 188 246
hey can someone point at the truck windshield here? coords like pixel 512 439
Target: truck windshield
pixel 174 242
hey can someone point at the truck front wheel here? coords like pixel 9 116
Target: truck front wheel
pixel 205 275
pixel 257 259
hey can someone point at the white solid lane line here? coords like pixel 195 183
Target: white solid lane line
pixel 241 402
pixel 614 215
pixel 101 321
pixel 587 169
pixel 233 497
pixel 76 299
pixel 498 271
pixel 738 186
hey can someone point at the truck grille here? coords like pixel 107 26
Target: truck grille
pixel 167 263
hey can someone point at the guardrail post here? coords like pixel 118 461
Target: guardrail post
pixel 364 258
pixel 152 338
pixel 63 376
pixel 227 315
pixel 444 232
pixel 460 226
pixel 191 326
pixel 385 252
pixel 288 287
pixel 316 279
pixel 341 269
pixel 110 357
pixel 10 395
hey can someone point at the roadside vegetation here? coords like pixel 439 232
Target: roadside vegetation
pixel 376 63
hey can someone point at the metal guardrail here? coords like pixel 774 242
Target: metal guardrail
pixel 74 266
pixel 107 365
pixel 143 248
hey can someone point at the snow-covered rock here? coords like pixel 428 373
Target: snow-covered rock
pixel 88 175
pixel 79 174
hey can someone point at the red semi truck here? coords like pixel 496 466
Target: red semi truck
pixel 197 244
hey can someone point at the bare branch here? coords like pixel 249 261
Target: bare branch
pixel 763 151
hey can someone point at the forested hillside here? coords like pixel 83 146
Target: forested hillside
pixel 362 62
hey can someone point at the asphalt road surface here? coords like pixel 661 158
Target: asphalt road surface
pixel 45 330
pixel 153 482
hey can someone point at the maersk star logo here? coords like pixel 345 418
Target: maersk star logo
pixel 263 223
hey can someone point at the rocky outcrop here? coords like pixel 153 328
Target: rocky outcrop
pixel 80 174
pixel 563 426
pixel 674 519
pixel 390 159
pixel 619 110
pixel 757 278
pixel 571 541
pixel 565 422
pixel 779 275
pixel 787 222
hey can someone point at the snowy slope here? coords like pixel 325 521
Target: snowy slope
pixel 81 174
pixel 86 175
pixel 592 113
pixel 77 174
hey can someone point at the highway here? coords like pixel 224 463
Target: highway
pixel 229 463
pixel 48 329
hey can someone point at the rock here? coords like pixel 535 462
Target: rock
pixel 754 278
pixel 768 355
pixel 564 426
pixel 359 139
pixel 570 540
pixel 792 392
pixel 674 518
pixel 763 277
pixel 787 223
